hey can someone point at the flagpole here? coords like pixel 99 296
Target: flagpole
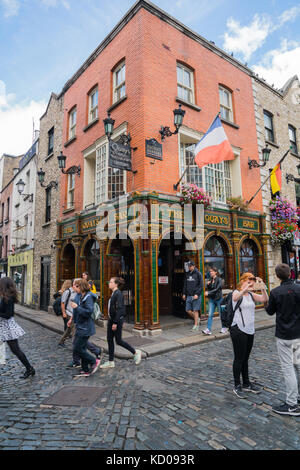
pixel 280 161
pixel 175 186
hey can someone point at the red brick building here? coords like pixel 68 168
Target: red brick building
pixel 149 65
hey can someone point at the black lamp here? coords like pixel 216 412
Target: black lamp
pixel 289 177
pixel 41 177
pixel 108 126
pixel 265 158
pixel 62 165
pixel 178 120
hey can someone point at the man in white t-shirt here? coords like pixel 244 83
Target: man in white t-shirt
pixel 67 297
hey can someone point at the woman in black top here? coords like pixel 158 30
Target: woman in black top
pixel 214 294
pixel 10 331
pixel 116 313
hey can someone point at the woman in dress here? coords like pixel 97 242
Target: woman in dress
pixel 10 331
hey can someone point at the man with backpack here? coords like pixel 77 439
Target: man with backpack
pixel 67 297
pixel 192 290
pixel 285 303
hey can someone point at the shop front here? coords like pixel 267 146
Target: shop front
pixel 153 263
pixel 20 269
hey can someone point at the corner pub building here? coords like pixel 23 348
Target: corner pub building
pixel 147 66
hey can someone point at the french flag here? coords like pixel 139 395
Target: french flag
pixel 214 147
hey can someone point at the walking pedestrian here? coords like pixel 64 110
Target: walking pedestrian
pixel 68 294
pixel 83 307
pixel 86 276
pixel 192 290
pixel 116 313
pixel 285 303
pixel 214 294
pixel 10 331
pixel 242 330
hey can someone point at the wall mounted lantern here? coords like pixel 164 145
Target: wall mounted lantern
pixel 265 157
pixel 290 177
pixel 41 177
pixel 178 120
pixel 73 170
pixel 21 185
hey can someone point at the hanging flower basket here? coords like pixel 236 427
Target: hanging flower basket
pixel 284 218
pixel 191 193
pixel 236 203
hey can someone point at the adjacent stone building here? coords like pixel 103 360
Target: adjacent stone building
pixel 277 114
pixel 47 203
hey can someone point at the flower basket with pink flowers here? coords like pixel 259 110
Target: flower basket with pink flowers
pixel 191 193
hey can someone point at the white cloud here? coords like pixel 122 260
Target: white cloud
pixel 245 40
pixel 279 65
pixel 11 7
pixel 16 126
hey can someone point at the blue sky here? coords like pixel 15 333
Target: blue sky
pixel 43 42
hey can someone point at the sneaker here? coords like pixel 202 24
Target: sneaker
pixel 96 366
pixel 107 365
pixel 206 332
pixel 137 357
pixel 82 374
pixel 195 328
pixel 285 409
pixel 73 366
pixel 224 330
pixel 238 391
pixel 251 388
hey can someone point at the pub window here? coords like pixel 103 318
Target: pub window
pixel 185 83
pixel 293 139
pixel 226 104
pixel 48 205
pixel 269 127
pixel 110 182
pixel 248 257
pixel 51 141
pixel 92 257
pixel 72 123
pixel 93 105
pixel 119 89
pixel 215 252
pixel 71 190
pixel 215 178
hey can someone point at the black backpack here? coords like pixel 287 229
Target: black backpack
pixel 227 310
pixel 57 306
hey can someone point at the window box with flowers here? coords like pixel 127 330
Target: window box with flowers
pixel 191 193
pixel 284 220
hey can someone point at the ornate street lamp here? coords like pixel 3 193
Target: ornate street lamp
pixel 41 177
pixel 265 158
pixel 108 126
pixel 21 185
pixel 178 120
pixel 73 170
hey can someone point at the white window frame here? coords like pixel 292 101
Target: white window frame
pixel 118 91
pixel 71 190
pixel 182 86
pixel 93 106
pixel 226 106
pixel 72 123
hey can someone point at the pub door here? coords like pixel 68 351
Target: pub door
pixel 171 273
pixel 68 263
pixel 45 283
pixel 122 265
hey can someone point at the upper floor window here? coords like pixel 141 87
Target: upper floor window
pixel 109 182
pixel 50 141
pixel 71 190
pixel 7 211
pixel 226 104
pixel 215 178
pixel 72 123
pixel 48 205
pixel 2 212
pixel 293 139
pixel 269 127
pixel 185 83
pixel 93 105
pixel 119 89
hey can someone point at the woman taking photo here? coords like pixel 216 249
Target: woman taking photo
pixel 214 294
pixel 10 331
pixel 116 313
pixel 242 330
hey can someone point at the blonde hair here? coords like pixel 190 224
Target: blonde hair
pixel 245 277
pixel 66 285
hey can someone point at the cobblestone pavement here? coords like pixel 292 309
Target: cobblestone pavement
pixel 182 400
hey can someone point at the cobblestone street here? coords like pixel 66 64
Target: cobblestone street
pixel 182 400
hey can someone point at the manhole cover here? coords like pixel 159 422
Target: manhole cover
pixel 138 341
pixel 75 396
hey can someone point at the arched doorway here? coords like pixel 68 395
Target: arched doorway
pixel 68 263
pixel 249 257
pixel 172 256
pixel 92 261
pixel 121 260
pixel 215 255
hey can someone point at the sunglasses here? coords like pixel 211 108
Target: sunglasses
pixel 252 279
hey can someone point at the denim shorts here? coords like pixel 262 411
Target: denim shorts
pixel 192 304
